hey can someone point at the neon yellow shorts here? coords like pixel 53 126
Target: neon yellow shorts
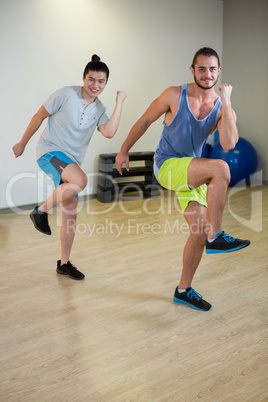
pixel 173 175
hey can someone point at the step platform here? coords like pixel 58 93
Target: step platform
pixel 140 177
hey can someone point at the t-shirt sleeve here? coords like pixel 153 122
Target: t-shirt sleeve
pixel 104 118
pixel 55 101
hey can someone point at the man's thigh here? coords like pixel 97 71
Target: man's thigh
pixel 202 170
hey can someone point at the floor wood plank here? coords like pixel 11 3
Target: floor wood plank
pixel 117 335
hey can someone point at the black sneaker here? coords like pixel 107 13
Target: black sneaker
pixel 223 243
pixel 70 270
pixel 192 298
pixel 40 221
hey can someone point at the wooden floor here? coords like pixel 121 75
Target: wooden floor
pixel 117 335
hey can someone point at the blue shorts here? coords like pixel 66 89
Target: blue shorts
pixel 53 164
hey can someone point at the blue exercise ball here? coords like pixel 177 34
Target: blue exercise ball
pixel 206 151
pixel 242 160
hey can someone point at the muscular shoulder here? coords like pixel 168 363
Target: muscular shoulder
pixel 171 96
pixel 172 93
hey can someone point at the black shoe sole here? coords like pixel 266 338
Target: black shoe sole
pixel 36 227
pixel 71 277
pixel 221 251
pixel 176 300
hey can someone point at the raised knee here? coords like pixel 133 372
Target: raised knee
pixel 226 171
pixel 81 181
pixel 222 170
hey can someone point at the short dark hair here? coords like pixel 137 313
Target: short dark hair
pixel 96 65
pixel 205 51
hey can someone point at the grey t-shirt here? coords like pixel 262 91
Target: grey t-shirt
pixel 70 125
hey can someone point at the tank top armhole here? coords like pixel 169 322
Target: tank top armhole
pixel 179 107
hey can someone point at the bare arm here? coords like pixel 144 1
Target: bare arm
pixel 158 107
pixel 33 126
pixel 109 129
pixel 227 123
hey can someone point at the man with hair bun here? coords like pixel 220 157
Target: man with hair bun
pixel 73 114
pixel 193 112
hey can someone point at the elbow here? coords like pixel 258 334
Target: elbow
pixel 109 134
pixel 229 145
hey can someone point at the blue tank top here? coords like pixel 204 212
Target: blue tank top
pixel 185 135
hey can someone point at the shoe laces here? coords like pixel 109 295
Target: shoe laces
pixel 226 237
pixel 192 294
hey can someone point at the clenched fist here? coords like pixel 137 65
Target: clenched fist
pixel 120 96
pixel 225 92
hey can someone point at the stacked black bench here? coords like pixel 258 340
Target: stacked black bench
pixel 139 178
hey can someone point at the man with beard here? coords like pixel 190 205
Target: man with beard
pixel 193 112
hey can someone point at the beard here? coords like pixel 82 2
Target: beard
pixel 199 84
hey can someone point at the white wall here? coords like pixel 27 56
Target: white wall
pixel 45 44
pixel 245 61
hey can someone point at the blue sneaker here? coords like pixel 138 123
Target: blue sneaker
pixel 223 243
pixel 192 298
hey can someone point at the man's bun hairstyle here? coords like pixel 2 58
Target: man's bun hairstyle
pixel 95 57
pixel 96 65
